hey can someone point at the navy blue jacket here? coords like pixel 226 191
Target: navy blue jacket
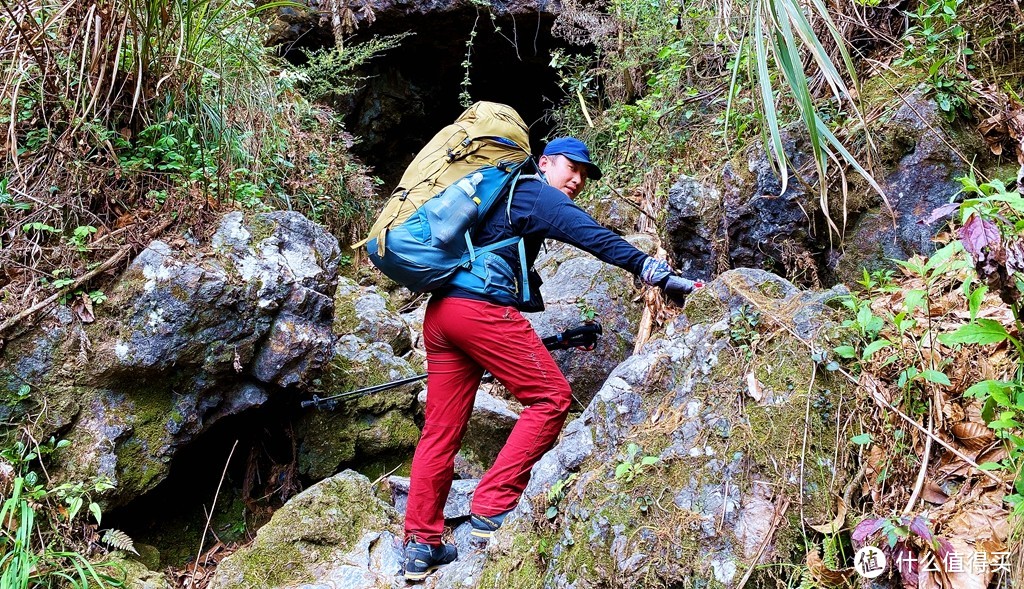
pixel 539 212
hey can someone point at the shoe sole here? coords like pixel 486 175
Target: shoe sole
pixel 409 576
pixel 485 534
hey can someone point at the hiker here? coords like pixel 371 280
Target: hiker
pixel 469 330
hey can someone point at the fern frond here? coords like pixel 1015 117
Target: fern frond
pixel 118 540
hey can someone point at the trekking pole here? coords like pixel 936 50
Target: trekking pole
pixel 583 337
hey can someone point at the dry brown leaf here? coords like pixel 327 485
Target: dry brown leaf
pixel 969 577
pixel 932 493
pixel 824 576
pixel 754 388
pixel 994 454
pixel 973 435
pixel 837 522
pixel 83 308
pixel 875 462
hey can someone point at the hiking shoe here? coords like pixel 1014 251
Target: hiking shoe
pixel 484 526
pixel 421 559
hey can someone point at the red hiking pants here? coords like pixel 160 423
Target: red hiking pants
pixel 463 338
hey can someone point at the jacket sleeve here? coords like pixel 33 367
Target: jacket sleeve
pixel 546 212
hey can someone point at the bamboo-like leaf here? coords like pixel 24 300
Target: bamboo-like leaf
pixel 768 104
pixel 848 157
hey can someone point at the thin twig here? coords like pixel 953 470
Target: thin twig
pixel 632 204
pixel 877 397
pixel 924 464
pixel 209 515
pixel 111 262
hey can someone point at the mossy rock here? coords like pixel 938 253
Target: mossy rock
pixel 721 462
pixel 314 529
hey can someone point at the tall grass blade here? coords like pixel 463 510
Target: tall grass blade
pixel 768 105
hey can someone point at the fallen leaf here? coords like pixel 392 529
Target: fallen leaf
pixel 932 493
pixel 83 308
pixel 973 435
pixel 968 577
pixel 837 522
pixel 754 388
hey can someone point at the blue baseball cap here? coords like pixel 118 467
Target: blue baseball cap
pixel 575 150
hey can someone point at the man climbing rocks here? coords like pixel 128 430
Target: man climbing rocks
pixel 471 327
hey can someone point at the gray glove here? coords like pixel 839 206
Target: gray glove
pixel 676 288
pixel 658 273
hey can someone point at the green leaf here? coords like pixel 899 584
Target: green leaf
pixel 648 460
pixel 74 505
pixel 551 513
pixel 94 509
pixel 990 466
pixel 914 299
pixel 846 351
pixel 862 439
pixel 974 300
pixel 988 388
pixel 621 470
pixel 936 377
pixel 873 347
pixel 985 331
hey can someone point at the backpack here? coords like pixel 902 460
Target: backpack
pixel 424 233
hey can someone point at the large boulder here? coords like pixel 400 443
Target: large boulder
pixel 693 439
pixel 187 337
pixel 337 533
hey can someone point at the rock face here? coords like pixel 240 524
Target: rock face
pixel 751 225
pixel 767 228
pixel 185 339
pixel 370 338
pixel 336 533
pixel 922 169
pixel 692 226
pixel 665 446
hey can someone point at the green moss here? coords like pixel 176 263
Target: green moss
pixel 140 458
pixel 702 307
pixel 393 432
pixel 313 528
pixel 345 319
pixel 771 289
pixel 524 567
pixel 260 227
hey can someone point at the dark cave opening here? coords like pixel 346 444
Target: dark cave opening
pixel 256 453
pixel 414 90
